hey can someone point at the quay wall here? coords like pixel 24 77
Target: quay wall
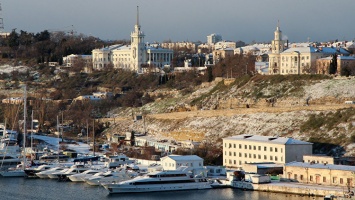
pixel 291 188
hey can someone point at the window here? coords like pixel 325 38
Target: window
pixel 270 157
pixel 341 180
pixel 295 176
pixel 254 147
pixel 310 178
pixel 254 156
pixel 250 155
pixel 334 179
pixel 301 177
pixel 230 153
pixel 259 156
pixel 240 146
pixel 249 147
pixel 240 162
pixel 265 148
pixel 235 154
pixel 234 145
pixel 235 162
pixel 275 149
pixel 324 179
pixel 245 146
pixel 275 158
pixel 270 149
pixel 265 157
pixel 240 154
pixel 245 155
pixel 259 148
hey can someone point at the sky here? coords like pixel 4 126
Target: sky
pixel 186 20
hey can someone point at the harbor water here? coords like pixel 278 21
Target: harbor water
pixel 46 189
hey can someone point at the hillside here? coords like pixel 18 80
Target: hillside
pixel 263 105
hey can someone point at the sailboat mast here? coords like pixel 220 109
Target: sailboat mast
pixel 24 126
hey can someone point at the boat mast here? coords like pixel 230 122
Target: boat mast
pixel 24 126
pixel 58 135
pixel 31 133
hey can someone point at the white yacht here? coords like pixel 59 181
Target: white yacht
pixel 46 173
pixel 80 177
pixel 31 171
pixel 13 172
pixel 64 174
pixel 160 181
pixel 108 177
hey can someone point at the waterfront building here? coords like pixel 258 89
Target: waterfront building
pixel 135 57
pixel 321 174
pixel 72 59
pixel 172 162
pixel 241 149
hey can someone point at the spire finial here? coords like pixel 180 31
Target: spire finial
pixel 137 15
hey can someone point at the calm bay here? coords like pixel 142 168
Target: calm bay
pixel 45 189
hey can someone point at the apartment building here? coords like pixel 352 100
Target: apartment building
pixel 241 149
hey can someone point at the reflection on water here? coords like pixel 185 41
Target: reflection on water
pixel 38 189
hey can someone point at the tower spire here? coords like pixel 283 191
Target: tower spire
pixel 137 15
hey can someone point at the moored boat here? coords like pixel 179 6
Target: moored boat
pixel 160 181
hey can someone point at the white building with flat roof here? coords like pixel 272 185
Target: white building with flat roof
pixel 241 149
pixel 172 162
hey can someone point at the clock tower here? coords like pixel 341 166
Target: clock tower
pixel 138 47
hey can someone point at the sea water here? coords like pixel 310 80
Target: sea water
pixel 48 189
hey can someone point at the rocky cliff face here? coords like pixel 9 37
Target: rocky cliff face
pixel 216 110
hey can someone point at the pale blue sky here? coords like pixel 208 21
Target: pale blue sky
pixel 192 20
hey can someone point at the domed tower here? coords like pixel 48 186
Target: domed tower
pixel 278 44
pixel 138 46
pixel 277 47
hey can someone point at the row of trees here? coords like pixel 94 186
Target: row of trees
pixel 46 46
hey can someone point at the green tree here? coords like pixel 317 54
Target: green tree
pixel 333 65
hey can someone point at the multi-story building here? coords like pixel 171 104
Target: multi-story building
pixel 343 63
pixel 213 38
pixel 241 149
pixel 220 54
pixel 132 57
pixel 297 59
pixel 224 45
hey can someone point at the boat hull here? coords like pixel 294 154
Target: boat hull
pixel 117 188
pixel 18 173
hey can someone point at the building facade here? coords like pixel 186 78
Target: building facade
pixel 344 64
pixel 320 174
pixel 297 59
pixel 241 149
pixel 133 57
pixel 213 38
pixel 172 162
